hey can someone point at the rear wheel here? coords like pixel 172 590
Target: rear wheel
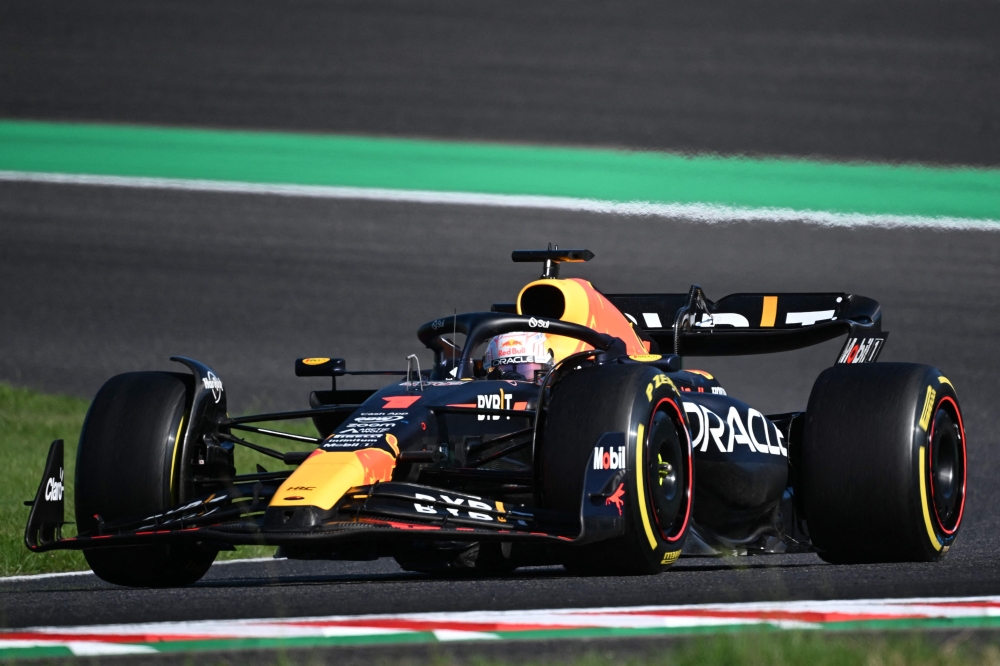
pixel 126 468
pixel 883 464
pixel 641 402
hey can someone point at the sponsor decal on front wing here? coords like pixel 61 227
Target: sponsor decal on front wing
pixel 460 507
pixel 54 489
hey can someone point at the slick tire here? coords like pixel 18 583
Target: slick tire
pixel 643 403
pixel 884 464
pixel 125 469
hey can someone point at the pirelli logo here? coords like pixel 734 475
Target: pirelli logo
pixel 925 416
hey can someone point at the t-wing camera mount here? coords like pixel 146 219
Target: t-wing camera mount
pixel 551 258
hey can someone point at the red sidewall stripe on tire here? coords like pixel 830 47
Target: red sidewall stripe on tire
pixel 930 470
pixel 689 481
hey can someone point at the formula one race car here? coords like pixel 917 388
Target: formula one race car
pixel 563 430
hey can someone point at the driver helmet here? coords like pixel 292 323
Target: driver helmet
pixel 525 354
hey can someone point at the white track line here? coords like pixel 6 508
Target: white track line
pixel 698 212
pixel 248 559
pixel 62 574
pixel 7 579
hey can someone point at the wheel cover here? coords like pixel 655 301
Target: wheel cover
pixel 668 471
pixel 947 466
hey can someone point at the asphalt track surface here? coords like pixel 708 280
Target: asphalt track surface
pixel 96 281
pixel 892 80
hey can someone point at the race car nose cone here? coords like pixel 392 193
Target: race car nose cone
pixel 278 518
pixel 323 479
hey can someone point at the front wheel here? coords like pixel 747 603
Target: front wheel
pixel 127 467
pixel 656 493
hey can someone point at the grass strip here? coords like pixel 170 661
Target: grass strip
pixel 442 166
pixel 818 649
pixel 29 421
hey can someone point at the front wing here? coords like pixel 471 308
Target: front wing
pixel 383 511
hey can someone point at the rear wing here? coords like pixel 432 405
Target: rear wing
pixel 691 325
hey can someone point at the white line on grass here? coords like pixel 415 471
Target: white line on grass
pixel 698 212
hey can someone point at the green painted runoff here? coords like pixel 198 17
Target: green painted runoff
pixel 417 164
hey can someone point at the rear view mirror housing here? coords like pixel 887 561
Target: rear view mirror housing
pixel 320 367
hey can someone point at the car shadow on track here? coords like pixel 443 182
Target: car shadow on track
pixel 264 576
pixel 535 574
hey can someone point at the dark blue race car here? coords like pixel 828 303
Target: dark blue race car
pixel 561 428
